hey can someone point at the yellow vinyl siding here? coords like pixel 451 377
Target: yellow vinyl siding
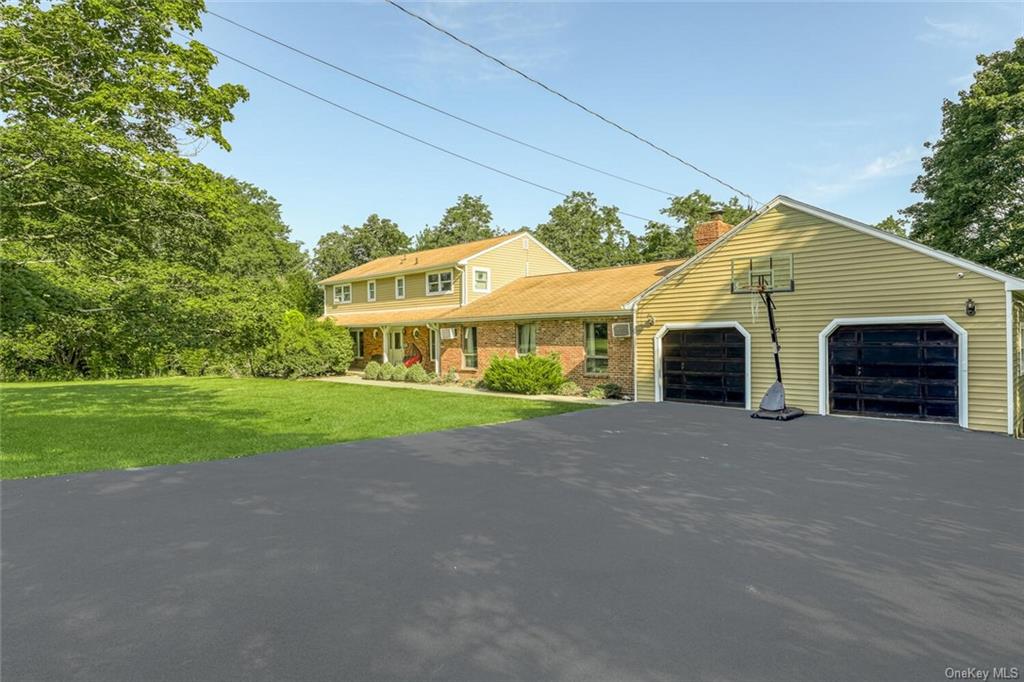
pixel 1018 360
pixel 511 261
pixel 415 294
pixel 840 273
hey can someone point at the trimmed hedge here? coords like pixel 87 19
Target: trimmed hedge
pixel 529 374
pixel 398 373
pixel 386 371
pixel 417 374
pixel 372 370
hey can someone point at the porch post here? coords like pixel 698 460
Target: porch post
pixel 384 344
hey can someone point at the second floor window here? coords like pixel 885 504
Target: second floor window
pixel 399 287
pixel 343 293
pixel 439 283
pixel 526 338
pixel 371 291
pixel 481 279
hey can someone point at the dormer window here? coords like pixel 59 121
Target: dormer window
pixel 371 291
pixel 342 293
pixel 439 283
pixel 482 280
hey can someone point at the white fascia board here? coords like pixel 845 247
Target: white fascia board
pixel 1012 283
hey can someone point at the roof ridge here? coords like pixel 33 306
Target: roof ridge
pixel 608 267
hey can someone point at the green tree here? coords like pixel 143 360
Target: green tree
pixel 973 182
pixel 468 220
pixel 376 238
pixel 332 254
pixel 663 242
pixel 585 234
pixel 117 255
pixel 893 224
pixel 348 247
pixel 696 207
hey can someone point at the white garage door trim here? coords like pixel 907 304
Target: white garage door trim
pixel 666 328
pixel 904 319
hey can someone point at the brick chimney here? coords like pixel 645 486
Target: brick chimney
pixel 711 230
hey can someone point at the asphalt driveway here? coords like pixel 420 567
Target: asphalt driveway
pixel 649 542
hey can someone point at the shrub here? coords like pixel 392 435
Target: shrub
pixel 417 375
pixel 596 392
pixel 451 376
pixel 569 388
pixel 530 374
pixel 470 383
pixel 386 371
pixel 613 391
pixel 305 347
pixel 193 361
pixel 372 370
pixel 399 372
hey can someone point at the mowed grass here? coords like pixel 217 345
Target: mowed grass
pixel 60 428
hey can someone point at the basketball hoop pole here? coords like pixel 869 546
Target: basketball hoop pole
pixel 770 305
pixel 773 404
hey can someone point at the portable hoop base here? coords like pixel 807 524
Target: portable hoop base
pixel 773 405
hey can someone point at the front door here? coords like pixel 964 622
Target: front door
pixel 396 347
pixel 433 349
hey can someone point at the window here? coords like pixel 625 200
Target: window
pixel 371 291
pixel 399 287
pixel 342 293
pixel 526 338
pixel 469 347
pixel 433 345
pixel 357 342
pixel 482 279
pixel 597 348
pixel 439 283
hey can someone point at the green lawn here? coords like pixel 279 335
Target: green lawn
pixel 59 428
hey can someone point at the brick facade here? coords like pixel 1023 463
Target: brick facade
pixel 373 348
pixel 564 337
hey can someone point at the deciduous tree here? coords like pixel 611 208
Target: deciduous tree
pixel 973 181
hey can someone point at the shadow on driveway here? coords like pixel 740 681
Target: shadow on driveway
pixel 648 542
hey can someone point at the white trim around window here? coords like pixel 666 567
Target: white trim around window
pixel 400 287
pixel 486 289
pixel 371 290
pixel 342 294
pixel 900 319
pixel 441 289
pixel 666 328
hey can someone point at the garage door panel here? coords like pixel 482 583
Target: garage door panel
pixel 902 371
pixel 705 366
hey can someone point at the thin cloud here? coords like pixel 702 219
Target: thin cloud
pixel 530 36
pixel 895 163
pixel 952 32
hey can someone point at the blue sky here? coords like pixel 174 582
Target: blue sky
pixel 828 103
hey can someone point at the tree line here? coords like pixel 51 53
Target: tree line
pixel 584 233
pixel 120 255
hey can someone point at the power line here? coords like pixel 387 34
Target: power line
pixel 568 99
pixel 410 136
pixel 439 110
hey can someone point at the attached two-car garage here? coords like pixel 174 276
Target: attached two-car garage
pixel 870 325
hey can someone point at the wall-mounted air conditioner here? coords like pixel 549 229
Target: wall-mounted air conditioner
pixel 622 330
pixel 448 333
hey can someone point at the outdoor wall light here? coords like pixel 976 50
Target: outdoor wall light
pixel 970 308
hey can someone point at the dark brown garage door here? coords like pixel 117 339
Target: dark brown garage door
pixel 898 371
pixel 704 366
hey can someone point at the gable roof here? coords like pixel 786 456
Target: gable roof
pixel 586 292
pixel 420 260
pixel 1012 283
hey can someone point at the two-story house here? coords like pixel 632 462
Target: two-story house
pixel 457 307
pixel 871 324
